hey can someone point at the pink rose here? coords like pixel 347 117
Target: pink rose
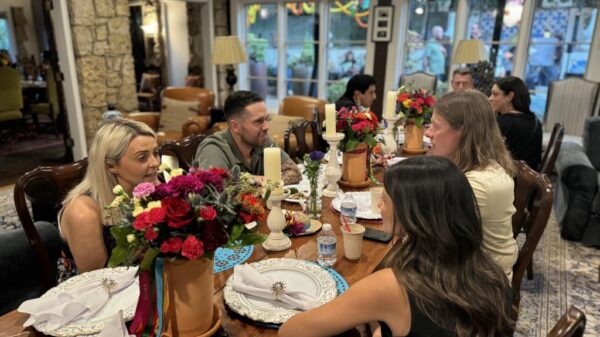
pixel 143 190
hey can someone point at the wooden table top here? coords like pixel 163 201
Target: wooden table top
pixel 303 248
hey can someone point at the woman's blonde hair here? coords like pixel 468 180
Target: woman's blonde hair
pixel 481 142
pixel 108 147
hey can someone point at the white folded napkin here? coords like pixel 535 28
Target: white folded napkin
pixel 249 281
pixel 115 327
pixel 81 302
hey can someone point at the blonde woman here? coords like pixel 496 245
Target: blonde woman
pixel 464 129
pixel 123 152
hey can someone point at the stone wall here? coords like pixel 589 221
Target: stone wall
pixel 102 45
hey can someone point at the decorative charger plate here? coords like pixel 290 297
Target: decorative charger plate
pixel 303 275
pixel 315 225
pixel 363 200
pixel 125 299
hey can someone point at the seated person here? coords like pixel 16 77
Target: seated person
pixel 243 142
pixel 462 79
pixel 360 92
pixel 436 281
pixel 464 130
pixel 123 152
pixel 519 126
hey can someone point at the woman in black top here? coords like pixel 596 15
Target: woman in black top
pixel 519 126
pixel 436 280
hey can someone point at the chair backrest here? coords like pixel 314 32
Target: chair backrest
pixel 552 149
pixel 533 203
pixel 303 106
pixel 570 102
pixel 204 96
pixel 184 150
pixel 45 187
pixel 418 80
pixel 11 97
pixel 52 92
pixel 570 324
pixel 299 130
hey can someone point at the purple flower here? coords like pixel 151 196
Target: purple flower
pixel 182 185
pixel 210 178
pixel 143 190
pixel 316 155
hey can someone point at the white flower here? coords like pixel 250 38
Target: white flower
pixel 117 201
pixel 153 204
pixel 130 238
pixel 118 190
pixel 176 172
pixel 164 167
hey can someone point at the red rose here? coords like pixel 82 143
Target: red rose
pixel 192 248
pixel 156 215
pixel 177 211
pixel 151 234
pixel 141 222
pixel 208 213
pixel 219 171
pixel 171 245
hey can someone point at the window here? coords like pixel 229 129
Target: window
pixel 430 37
pixel 4 34
pixel 559 45
pixel 308 48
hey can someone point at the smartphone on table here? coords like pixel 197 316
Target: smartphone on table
pixel 377 235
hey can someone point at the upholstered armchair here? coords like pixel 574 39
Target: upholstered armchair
pixel 418 80
pixel 570 102
pixel 49 108
pixel 577 197
pixel 184 111
pixel 11 97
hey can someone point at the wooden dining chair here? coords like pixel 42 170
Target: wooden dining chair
pixel 533 203
pixel 45 187
pixel 184 150
pixel 299 145
pixel 570 324
pixel 549 158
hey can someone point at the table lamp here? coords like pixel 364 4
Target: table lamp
pixel 472 52
pixel 228 50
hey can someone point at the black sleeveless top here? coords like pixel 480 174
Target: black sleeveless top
pixel 420 324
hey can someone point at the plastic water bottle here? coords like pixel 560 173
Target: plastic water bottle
pixel 326 246
pixel 348 209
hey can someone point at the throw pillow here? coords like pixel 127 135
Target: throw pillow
pixel 175 112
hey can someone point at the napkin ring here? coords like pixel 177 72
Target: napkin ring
pixel 108 285
pixel 278 288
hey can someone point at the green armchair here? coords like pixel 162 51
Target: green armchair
pixel 11 98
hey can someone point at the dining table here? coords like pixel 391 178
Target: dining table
pixel 302 248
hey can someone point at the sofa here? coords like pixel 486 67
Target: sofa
pixel 577 199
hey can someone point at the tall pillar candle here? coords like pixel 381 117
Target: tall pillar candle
pixel 272 164
pixel 330 121
pixel 390 104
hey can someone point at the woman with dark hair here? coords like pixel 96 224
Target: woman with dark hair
pixel 436 280
pixel 519 126
pixel 360 93
pixel 464 130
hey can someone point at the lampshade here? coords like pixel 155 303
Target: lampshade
pixel 469 52
pixel 228 50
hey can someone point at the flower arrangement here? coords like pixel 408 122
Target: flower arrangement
pixel 297 223
pixel 188 217
pixel 312 163
pixel 417 105
pixel 357 127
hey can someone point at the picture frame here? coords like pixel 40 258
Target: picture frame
pixel 383 17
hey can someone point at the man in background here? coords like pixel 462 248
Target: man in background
pixel 434 61
pixel 462 79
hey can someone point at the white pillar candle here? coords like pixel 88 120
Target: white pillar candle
pixel 390 104
pixel 330 121
pixel 272 164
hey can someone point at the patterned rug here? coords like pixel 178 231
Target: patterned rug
pixel 41 141
pixel 565 273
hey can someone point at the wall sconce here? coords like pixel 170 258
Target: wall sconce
pixel 228 50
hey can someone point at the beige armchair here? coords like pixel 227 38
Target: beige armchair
pixel 184 111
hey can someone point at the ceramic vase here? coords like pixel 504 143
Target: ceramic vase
pixel 413 139
pixel 354 165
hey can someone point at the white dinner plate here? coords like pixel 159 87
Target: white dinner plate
pixel 395 160
pixel 125 299
pixel 363 200
pixel 303 275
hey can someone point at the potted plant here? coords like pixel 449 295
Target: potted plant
pixel 415 109
pixel 258 67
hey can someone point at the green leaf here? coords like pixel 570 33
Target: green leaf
pixel 251 239
pixel 117 256
pixel 351 145
pixel 236 231
pixel 148 259
pixel 419 121
pixel 120 235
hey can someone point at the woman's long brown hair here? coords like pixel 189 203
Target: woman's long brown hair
pixel 441 262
